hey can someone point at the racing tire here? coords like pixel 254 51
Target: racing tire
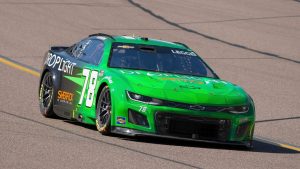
pixel 46 95
pixel 103 114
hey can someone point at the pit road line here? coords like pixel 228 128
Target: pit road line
pixel 34 72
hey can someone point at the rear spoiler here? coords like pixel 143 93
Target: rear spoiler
pixel 58 48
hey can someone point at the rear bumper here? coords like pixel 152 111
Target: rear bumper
pixel 136 133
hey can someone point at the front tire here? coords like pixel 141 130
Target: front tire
pixel 46 95
pixel 103 115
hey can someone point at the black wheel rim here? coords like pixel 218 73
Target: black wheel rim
pixel 46 91
pixel 105 109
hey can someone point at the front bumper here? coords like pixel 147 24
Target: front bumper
pixel 177 123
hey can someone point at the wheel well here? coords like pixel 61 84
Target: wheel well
pixel 99 91
pixel 44 72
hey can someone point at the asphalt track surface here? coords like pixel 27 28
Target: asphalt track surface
pixel 254 43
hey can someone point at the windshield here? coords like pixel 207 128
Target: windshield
pixel 158 59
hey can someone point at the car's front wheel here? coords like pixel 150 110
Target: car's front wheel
pixel 46 95
pixel 103 115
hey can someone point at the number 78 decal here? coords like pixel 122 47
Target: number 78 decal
pixel 91 89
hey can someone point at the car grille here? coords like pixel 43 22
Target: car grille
pixel 194 106
pixel 192 127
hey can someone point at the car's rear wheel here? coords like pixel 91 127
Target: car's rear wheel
pixel 46 95
pixel 103 115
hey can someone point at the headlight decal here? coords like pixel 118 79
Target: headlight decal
pixel 143 99
pixel 235 109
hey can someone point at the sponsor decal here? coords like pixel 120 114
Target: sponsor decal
pixel 125 47
pixel 189 87
pixel 82 48
pixel 121 120
pixel 143 109
pixel 182 80
pixel 180 52
pixel 153 74
pixel 59 63
pixel 65 97
pixel 166 76
pixel 101 73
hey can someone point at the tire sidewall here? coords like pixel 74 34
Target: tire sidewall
pixel 46 111
pixel 106 128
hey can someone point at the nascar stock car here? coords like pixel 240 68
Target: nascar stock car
pixel 139 86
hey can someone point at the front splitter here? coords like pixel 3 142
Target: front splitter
pixel 133 133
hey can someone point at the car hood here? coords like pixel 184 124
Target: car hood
pixel 183 88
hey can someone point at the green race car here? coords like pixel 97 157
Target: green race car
pixel 138 86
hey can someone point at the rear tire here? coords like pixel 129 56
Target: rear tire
pixel 46 95
pixel 103 115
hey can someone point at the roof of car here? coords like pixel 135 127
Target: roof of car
pixel 142 40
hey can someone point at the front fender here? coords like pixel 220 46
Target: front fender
pixel 117 88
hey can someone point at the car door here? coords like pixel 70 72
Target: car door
pixel 77 90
